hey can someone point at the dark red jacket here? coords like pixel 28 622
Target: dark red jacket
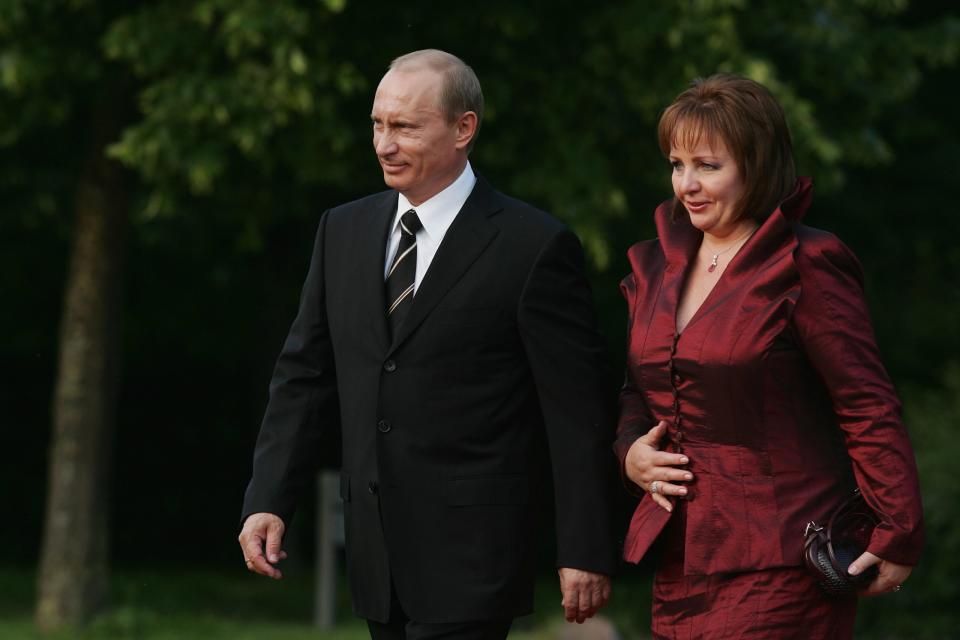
pixel 774 390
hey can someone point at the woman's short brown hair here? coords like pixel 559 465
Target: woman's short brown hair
pixel 746 117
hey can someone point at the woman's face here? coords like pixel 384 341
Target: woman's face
pixel 708 183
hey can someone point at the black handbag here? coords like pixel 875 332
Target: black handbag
pixel 828 551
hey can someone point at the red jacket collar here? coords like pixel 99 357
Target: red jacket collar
pixel 680 239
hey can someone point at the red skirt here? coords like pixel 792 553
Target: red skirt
pixel 776 603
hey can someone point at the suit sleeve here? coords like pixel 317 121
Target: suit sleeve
pixel 834 327
pixel 303 405
pixel 568 360
pixel 634 419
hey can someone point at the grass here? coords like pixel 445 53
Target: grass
pixel 121 626
pixel 185 604
pixel 161 604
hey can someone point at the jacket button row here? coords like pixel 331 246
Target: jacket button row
pixel 390 366
pixel 383 426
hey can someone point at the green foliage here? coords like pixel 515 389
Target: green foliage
pixel 926 608
pixel 240 102
pixel 590 104
pixel 228 88
pixel 48 62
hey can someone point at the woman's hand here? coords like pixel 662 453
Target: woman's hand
pixel 891 575
pixel 645 465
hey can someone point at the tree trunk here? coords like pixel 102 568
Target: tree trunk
pixel 74 563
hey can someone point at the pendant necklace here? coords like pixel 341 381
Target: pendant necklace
pixel 713 259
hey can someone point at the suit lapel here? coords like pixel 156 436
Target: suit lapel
pixel 372 247
pixel 463 243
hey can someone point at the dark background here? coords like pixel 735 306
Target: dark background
pixel 221 227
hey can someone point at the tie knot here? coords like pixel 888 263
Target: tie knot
pixel 410 222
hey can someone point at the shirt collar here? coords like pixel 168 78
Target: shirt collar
pixel 437 213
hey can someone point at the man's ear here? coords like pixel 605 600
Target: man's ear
pixel 466 129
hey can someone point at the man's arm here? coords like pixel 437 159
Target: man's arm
pixel 302 408
pixel 568 359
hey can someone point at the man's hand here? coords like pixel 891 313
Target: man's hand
pixel 584 593
pixel 263 531
pixel 645 465
pixel 889 577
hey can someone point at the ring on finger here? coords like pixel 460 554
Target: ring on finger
pixel 655 487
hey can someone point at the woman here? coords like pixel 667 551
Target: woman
pixel 752 360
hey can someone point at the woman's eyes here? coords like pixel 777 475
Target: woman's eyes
pixel 705 166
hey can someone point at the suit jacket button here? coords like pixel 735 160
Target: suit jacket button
pixel 372 487
pixel 389 366
pixel 383 426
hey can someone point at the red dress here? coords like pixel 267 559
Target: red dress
pixel 776 392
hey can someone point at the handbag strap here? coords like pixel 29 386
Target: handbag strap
pixel 854 507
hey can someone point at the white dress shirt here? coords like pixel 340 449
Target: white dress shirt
pixel 436 215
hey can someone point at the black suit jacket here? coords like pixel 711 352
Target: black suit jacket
pixel 440 425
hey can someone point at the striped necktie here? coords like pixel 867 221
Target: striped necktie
pixel 403 272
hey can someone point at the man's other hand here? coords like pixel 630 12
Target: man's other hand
pixel 260 541
pixel 584 593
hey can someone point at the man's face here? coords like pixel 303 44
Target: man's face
pixel 419 151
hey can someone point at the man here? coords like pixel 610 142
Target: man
pixel 443 327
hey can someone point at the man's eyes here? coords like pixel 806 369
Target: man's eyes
pixel 379 125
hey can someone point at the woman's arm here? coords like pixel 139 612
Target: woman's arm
pixel 833 324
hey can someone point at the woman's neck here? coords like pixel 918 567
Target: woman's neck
pixel 715 242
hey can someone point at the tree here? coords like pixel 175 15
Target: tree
pixel 45 91
pixel 218 84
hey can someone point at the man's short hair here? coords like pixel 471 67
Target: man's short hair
pixel 461 90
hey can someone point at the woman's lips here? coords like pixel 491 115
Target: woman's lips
pixel 696 207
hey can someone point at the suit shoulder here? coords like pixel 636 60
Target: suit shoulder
pixel 524 217
pixel 645 256
pixel 364 203
pixel 814 244
pixel 821 253
pixel 813 239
